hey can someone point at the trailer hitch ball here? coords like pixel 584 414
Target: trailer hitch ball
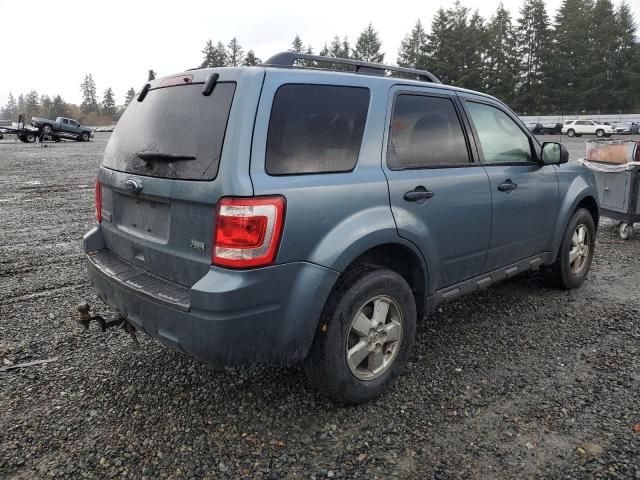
pixel 85 318
pixel 83 314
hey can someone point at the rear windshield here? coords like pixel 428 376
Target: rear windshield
pixel 175 121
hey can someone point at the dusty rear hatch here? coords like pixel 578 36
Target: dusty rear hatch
pixel 161 175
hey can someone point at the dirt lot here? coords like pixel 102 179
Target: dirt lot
pixel 519 381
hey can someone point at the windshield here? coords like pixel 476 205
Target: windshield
pixel 183 128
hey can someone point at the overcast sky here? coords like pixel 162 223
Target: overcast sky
pixel 51 48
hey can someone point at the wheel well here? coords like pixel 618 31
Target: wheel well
pixel 592 206
pixel 402 260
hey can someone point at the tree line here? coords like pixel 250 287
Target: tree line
pixel 94 109
pixel 584 60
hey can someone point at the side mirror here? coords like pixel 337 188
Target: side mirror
pixel 554 153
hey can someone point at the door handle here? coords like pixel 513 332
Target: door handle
pixel 507 186
pixel 419 193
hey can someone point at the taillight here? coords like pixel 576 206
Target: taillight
pixel 98 201
pixel 247 231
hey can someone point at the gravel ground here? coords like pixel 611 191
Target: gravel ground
pixel 519 381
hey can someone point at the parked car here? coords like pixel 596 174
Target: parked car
pixel 273 233
pixel 62 126
pixel 551 128
pixel 627 128
pixel 578 128
pixel 534 127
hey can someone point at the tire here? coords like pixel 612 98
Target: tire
pixel 599 133
pixel 29 138
pixel 84 137
pixel 348 321
pixel 46 129
pixel 625 230
pixel 571 132
pixel 568 273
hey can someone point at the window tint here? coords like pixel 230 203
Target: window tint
pixel 65 121
pixel 425 132
pixel 501 139
pixel 315 129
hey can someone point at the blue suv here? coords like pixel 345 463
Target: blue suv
pixel 298 212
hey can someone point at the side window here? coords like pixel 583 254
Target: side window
pixel 65 121
pixel 425 132
pixel 74 124
pixel 316 129
pixel 501 139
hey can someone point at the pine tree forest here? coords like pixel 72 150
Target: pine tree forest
pixel 585 59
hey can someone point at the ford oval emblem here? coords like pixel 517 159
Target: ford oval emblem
pixel 133 185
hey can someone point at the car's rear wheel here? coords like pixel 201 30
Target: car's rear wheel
pixel 364 337
pixel 571 132
pixel 599 133
pixel 576 251
pixel 29 138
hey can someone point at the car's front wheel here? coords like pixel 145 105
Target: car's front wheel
pixel 599 133
pixel 364 337
pixel 571 132
pixel 576 251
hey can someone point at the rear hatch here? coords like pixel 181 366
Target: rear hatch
pixel 160 179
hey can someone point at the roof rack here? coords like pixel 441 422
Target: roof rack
pixel 288 59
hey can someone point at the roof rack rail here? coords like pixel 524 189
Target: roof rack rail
pixel 288 59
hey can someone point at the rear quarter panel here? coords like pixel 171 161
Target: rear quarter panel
pixel 331 218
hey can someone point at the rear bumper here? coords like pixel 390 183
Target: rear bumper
pixel 266 315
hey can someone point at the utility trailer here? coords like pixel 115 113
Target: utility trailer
pixel 616 165
pixel 24 132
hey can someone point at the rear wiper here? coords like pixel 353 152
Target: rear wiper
pixel 164 157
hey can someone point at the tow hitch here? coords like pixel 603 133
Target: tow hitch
pixel 85 318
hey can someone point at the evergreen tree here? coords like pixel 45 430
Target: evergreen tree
pixel 250 59
pixel 571 55
pixel 131 94
pixel 309 50
pixel 438 51
pixel 152 75
pixel 455 47
pixel 599 68
pixel 109 102
pixel 534 50
pixel 340 48
pixel 209 53
pixel 221 56
pixel 31 105
pixel 297 46
pixel 20 104
pixel 46 106
pixel 412 46
pixel 89 99
pixel 626 83
pixel 501 58
pixel 59 107
pixel 325 51
pixel 368 46
pixel 235 53
pixel 11 108
pixel 473 39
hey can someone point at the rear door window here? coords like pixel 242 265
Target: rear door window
pixel 175 121
pixel 315 129
pixel 425 132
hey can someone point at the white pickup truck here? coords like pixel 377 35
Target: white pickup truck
pixel 577 128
